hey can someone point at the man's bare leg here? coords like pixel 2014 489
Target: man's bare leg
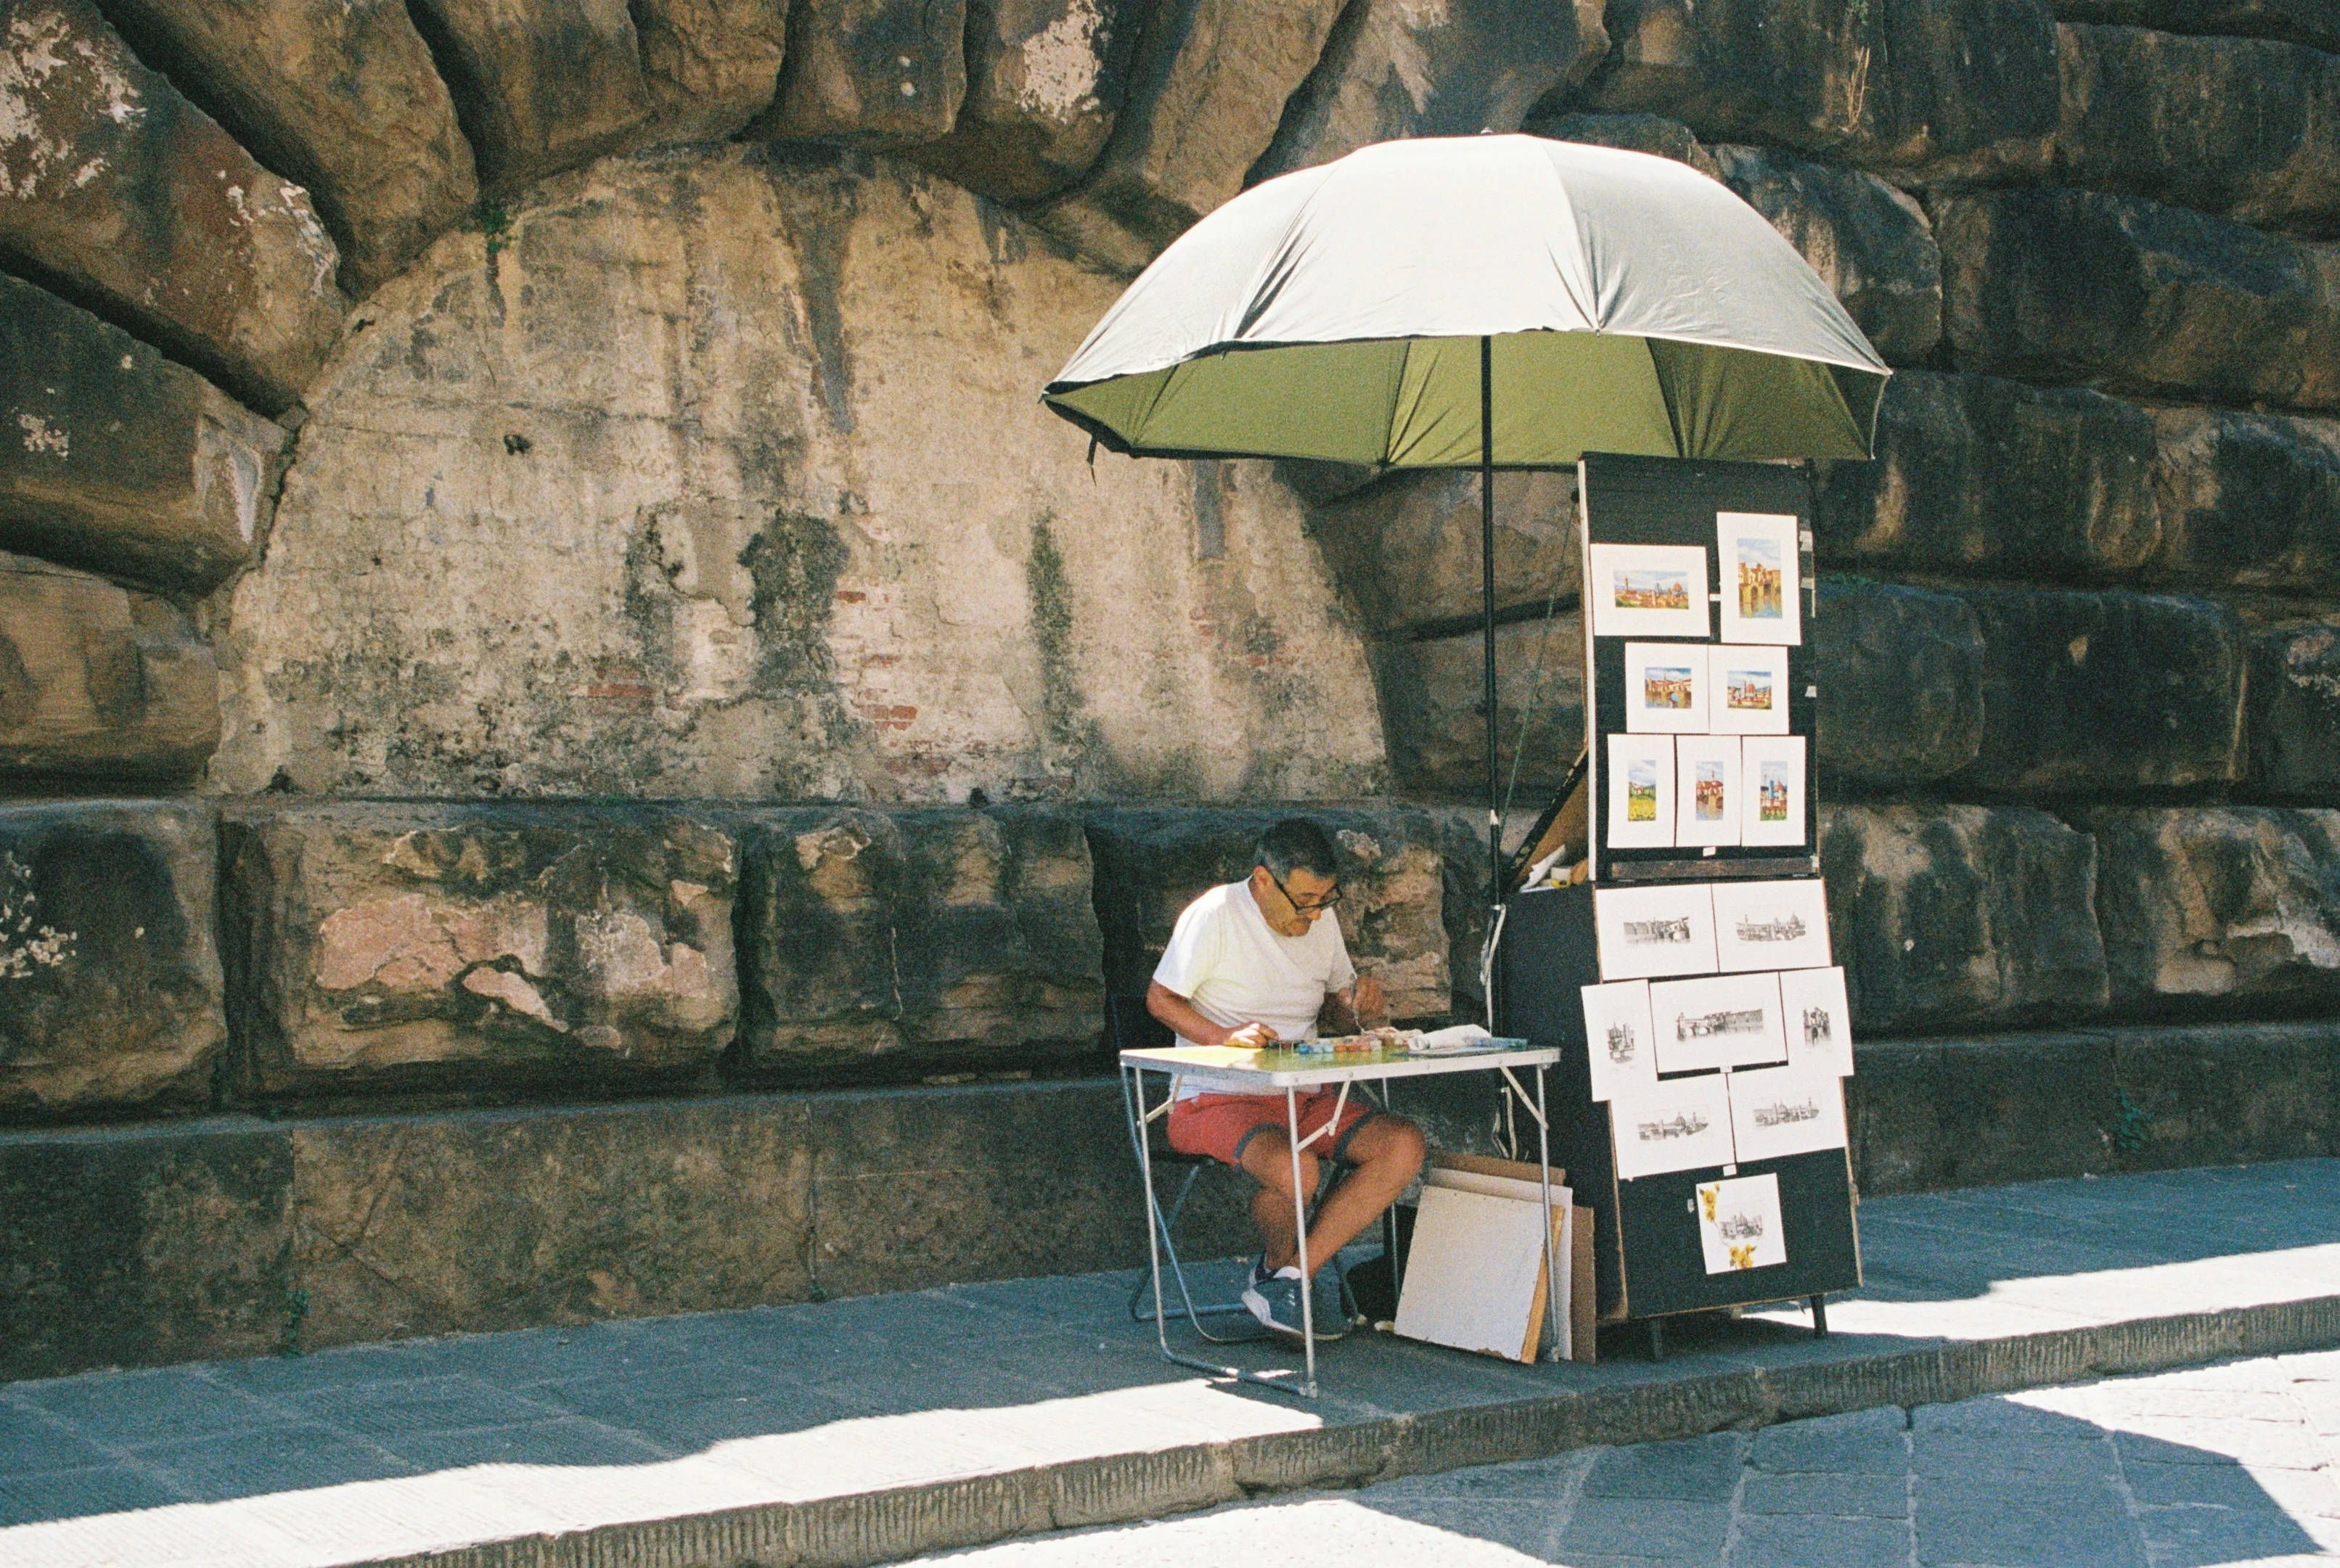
pixel 1386 1154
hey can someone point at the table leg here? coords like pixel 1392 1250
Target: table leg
pixel 1550 1263
pixel 1133 1091
pixel 1819 1317
pixel 1657 1339
pixel 1134 1086
pixel 1299 1220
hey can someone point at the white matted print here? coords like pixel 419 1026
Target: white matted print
pixel 1665 688
pixel 1654 931
pixel 1684 1125
pixel 1720 1021
pixel 1641 792
pixel 1819 1023
pixel 1706 791
pixel 1747 689
pixel 1771 925
pixel 1619 1038
pixel 1777 1112
pixel 1762 593
pixel 1649 591
pixel 1739 1225
pixel 1774 807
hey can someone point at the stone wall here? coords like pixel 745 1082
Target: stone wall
pixel 546 507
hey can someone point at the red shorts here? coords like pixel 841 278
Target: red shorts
pixel 1220 1125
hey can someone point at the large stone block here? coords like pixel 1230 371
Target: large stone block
pixel 473 1223
pixel 1950 916
pixel 1869 241
pixel 1979 474
pixel 2313 23
pixel 1153 862
pixel 1951 86
pixel 712 65
pixel 121 462
pixel 2246 127
pixel 2295 711
pixel 1045 83
pixel 2063 285
pixel 2230 907
pixel 898 944
pixel 1926 1114
pixel 1962 1112
pixel 991 1183
pixel 477 948
pixel 98 683
pixel 1394 68
pixel 1407 548
pixel 126 196
pixel 149 1244
pixel 541 85
pixel 341 96
pixel 1899 671
pixel 2111 691
pixel 1434 705
pixel 887 71
pixel 2251 499
pixel 667 498
pixel 1207 92
pixel 188 1241
pixel 1651 133
pixel 110 995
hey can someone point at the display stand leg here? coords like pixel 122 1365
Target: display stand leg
pixel 1657 1339
pixel 1819 1317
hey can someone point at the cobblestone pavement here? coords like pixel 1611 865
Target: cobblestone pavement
pixel 2231 1464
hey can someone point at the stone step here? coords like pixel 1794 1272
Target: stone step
pixel 172 1242
pixel 862 1432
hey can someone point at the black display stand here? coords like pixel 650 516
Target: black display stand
pixel 1649 1258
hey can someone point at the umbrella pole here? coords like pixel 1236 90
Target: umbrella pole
pixel 1487 606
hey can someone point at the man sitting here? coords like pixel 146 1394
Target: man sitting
pixel 1251 963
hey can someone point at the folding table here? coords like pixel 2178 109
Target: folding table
pixel 1226 1069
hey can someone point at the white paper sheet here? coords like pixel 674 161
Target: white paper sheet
pixel 1747 689
pixel 1776 1111
pixel 1707 786
pixel 1641 792
pixel 1818 1020
pixel 1771 925
pixel 1762 591
pixel 1470 1273
pixel 1619 1039
pixel 1678 1124
pixel 1647 591
pixel 1718 1021
pixel 1774 768
pixel 1739 1225
pixel 1665 688
pixel 1654 931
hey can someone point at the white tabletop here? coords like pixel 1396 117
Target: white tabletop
pixel 1238 1071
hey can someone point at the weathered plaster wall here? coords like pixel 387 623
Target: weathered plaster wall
pixel 720 472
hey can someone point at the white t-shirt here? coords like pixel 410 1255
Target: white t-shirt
pixel 1225 959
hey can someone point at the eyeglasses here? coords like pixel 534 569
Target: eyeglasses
pixel 1316 906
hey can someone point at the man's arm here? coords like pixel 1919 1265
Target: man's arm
pixel 1179 1013
pixel 1361 1007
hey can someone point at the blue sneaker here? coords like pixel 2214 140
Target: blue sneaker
pixel 1276 1302
pixel 1330 1303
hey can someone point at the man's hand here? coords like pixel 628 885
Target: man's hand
pixel 1368 1004
pixel 1253 1037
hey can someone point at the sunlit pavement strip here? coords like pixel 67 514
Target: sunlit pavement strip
pixel 2229 1463
pixel 810 1431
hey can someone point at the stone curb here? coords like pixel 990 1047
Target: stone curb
pixel 875 1527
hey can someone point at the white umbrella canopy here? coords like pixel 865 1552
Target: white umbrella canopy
pixel 1628 304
